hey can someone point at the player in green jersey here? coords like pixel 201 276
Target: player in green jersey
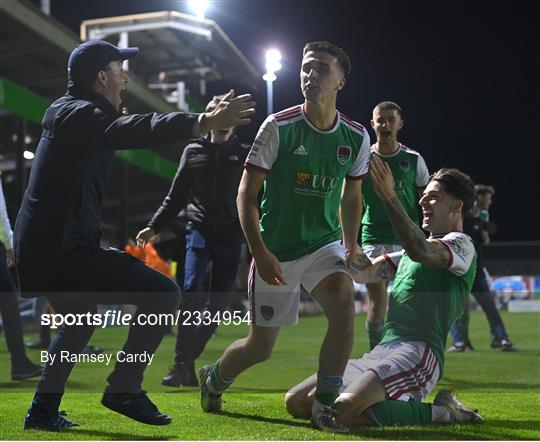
pixel 301 157
pixel 410 178
pixel 432 280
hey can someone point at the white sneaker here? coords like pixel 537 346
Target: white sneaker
pixel 324 418
pixel 459 412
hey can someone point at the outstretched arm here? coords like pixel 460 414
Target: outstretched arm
pixel 381 269
pixel 175 200
pixel 141 131
pixel 426 251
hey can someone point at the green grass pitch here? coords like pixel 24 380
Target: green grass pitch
pixel 504 386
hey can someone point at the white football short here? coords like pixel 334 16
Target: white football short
pixel 373 251
pixel 407 370
pixel 273 306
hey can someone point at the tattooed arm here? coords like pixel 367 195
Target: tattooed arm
pixel 426 251
pixel 382 269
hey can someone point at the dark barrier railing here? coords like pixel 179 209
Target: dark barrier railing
pixel 513 258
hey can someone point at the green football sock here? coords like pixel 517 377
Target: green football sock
pixel 216 383
pixel 388 413
pixel 327 389
pixel 375 333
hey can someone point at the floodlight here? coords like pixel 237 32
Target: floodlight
pixel 199 7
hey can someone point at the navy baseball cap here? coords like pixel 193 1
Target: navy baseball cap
pixel 90 57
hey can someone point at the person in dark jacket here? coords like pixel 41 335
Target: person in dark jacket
pixel 478 226
pixel 21 366
pixel 205 186
pixel 57 233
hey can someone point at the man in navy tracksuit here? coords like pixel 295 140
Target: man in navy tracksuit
pixel 57 233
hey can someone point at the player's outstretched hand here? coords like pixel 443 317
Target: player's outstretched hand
pixel 144 236
pixel 269 268
pixel 360 261
pixel 361 267
pixel 382 178
pixel 230 112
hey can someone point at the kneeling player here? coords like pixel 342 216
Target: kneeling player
pixel 432 278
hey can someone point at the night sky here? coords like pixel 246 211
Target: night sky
pixel 465 73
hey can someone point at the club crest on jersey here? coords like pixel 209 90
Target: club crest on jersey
pixel 267 312
pixel 343 154
pixel 404 165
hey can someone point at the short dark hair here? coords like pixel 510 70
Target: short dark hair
pixel 329 48
pixel 457 184
pixel 483 189
pixel 389 105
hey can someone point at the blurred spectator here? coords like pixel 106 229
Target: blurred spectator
pixel 206 185
pixel 477 225
pixel 21 366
